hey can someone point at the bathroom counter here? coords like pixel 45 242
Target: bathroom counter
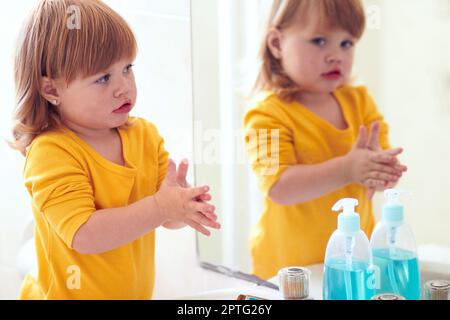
pixel 434 264
pixel 247 288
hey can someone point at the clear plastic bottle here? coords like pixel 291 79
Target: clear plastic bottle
pixel 348 269
pixel 394 251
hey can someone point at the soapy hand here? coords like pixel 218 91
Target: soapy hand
pixel 376 169
pixel 179 202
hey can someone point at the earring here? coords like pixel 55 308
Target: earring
pixel 55 102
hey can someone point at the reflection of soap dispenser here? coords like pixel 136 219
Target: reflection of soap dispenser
pixel 347 270
pixel 394 251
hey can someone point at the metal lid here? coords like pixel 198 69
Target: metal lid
pixel 294 282
pixel 387 296
pixel 437 290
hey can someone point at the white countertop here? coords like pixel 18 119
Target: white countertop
pixel 315 289
pixel 434 264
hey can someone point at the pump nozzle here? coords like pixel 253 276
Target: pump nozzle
pixel 348 220
pixel 393 195
pixel 393 209
pixel 347 204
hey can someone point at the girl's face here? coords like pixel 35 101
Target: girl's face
pixel 101 101
pixel 317 60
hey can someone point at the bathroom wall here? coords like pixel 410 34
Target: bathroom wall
pixel 416 97
pixel 14 206
pixel 403 59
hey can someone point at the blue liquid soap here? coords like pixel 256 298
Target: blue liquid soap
pixel 342 283
pixel 399 272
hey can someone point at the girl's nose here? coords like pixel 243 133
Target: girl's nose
pixel 334 57
pixel 123 88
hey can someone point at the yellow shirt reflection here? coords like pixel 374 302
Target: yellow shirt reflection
pixel 297 235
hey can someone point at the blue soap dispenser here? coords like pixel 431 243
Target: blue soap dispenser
pixel 348 261
pixel 394 251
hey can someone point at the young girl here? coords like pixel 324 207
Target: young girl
pixel 97 177
pixel 323 152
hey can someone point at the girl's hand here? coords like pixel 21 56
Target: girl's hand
pixel 180 204
pixel 385 165
pixel 181 179
pixel 372 168
pixel 374 144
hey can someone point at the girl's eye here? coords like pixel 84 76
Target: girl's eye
pixel 103 79
pixel 128 68
pixel 318 41
pixel 346 44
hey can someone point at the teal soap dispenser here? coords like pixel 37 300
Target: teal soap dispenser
pixel 348 262
pixel 394 251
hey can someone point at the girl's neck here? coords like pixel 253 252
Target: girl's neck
pixel 89 134
pixel 313 99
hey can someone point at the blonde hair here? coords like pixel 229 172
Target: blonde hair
pixel 49 47
pixel 346 14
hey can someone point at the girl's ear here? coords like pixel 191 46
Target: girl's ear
pixel 49 90
pixel 274 42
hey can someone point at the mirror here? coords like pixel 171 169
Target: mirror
pixel 402 60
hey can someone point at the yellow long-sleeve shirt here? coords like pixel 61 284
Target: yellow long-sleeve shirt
pixel 68 181
pixel 298 234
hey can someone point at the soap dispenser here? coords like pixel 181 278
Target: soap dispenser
pixel 394 251
pixel 348 262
